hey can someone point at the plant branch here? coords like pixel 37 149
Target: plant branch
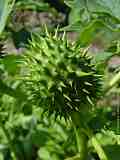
pixel 113 82
pixel 98 148
pixel 81 138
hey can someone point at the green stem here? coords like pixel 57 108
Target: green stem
pixel 76 157
pixel 113 82
pixel 82 134
pixel 81 137
pixel 98 148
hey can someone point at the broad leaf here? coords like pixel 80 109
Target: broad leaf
pixel 5 9
pixel 32 5
pixel 102 57
pixel 111 7
pixel 94 19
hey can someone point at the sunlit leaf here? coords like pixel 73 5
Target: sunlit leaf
pixel 5 9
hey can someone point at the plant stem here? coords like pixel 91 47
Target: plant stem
pixel 81 137
pixel 113 82
pixel 82 134
pixel 98 148
pixel 76 157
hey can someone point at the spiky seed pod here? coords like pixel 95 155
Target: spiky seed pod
pixel 59 76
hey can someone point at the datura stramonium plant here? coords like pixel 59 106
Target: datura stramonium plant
pixel 61 78
pixel 59 75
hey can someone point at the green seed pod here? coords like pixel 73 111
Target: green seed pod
pixel 59 75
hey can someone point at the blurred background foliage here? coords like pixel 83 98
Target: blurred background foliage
pixel 24 131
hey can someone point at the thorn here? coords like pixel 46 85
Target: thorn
pixel 46 30
pixel 86 50
pixel 89 100
pixel 67 97
pixel 84 90
pixel 70 83
pixel 70 105
pixel 56 32
pixel 87 83
pixel 64 36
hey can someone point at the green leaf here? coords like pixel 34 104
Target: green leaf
pixel 113 152
pixel 111 7
pixel 77 9
pixel 102 57
pixel 107 138
pixel 95 29
pixel 95 19
pixel 11 63
pixel 32 5
pixel 40 137
pixel 16 93
pixel 69 3
pixel 5 9
pixel 73 27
